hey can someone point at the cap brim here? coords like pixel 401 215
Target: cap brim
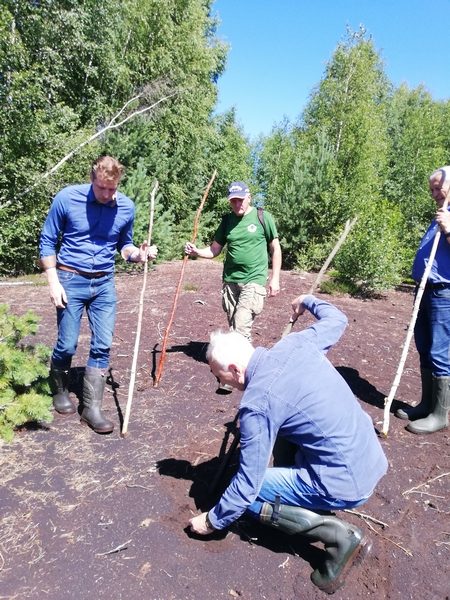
pixel 238 196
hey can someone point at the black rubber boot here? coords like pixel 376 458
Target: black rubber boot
pixel 424 407
pixel 93 389
pixel 59 384
pixel 438 417
pixel 345 545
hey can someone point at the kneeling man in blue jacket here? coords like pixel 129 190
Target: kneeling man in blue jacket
pixel 294 396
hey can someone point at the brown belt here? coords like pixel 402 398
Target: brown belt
pixel 83 273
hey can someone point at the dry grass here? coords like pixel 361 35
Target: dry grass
pixel 20 537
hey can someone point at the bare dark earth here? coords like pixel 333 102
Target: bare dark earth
pixel 87 516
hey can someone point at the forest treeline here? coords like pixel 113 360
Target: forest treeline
pixel 72 70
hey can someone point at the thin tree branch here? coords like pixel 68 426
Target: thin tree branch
pixel 111 125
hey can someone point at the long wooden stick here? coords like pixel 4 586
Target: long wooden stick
pixel 177 292
pixel 348 227
pixel 141 308
pixel 388 401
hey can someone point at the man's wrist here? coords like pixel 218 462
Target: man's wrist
pixel 209 525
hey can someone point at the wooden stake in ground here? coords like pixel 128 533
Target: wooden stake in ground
pixel 139 325
pixel 177 292
pixel 348 227
pixel 388 401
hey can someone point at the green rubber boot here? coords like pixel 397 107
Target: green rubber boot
pixel 93 389
pixel 345 545
pixel 424 407
pixel 438 417
pixel 59 384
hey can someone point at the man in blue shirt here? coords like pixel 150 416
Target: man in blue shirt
pixel 85 227
pixel 432 328
pixel 293 393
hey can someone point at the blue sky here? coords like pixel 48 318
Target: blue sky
pixel 279 50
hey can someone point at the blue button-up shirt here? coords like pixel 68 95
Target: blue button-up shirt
pixel 440 270
pixel 292 390
pixel 85 234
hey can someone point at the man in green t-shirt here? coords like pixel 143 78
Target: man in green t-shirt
pixel 245 269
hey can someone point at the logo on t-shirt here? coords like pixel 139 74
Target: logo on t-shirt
pixel 251 228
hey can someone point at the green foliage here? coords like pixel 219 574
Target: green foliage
pixel 370 258
pixel 417 131
pixel 350 105
pixel 24 390
pixel 359 143
pixel 301 196
pixel 62 78
pixel 335 286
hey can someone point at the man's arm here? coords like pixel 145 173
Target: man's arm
pixel 330 324
pixel 54 224
pixel 57 292
pixel 208 252
pixel 275 250
pixel 256 446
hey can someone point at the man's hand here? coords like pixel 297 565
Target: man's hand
pixel 190 249
pixel 274 287
pixel 298 307
pixel 57 294
pixel 198 525
pixel 147 252
pixel 152 252
pixel 443 219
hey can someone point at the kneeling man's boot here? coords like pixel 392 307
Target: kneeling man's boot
pixel 345 545
pixel 424 407
pixel 59 384
pixel 93 388
pixel 438 417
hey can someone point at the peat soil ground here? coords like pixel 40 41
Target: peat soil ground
pixel 87 516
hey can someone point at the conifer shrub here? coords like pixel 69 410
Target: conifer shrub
pixel 24 387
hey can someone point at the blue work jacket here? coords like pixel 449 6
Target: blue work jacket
pixel 292 390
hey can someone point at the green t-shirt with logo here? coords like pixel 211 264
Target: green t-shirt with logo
pixel 246 259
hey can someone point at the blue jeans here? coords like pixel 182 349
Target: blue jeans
pixel 285 482
pixel 432 330
pixel 98 297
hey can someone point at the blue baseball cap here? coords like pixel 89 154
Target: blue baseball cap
pixel 238 189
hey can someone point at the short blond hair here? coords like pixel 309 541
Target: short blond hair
pixel 108 168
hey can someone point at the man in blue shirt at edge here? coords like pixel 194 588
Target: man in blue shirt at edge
pixel 294 393
pixel 432 328
pixel 84 228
